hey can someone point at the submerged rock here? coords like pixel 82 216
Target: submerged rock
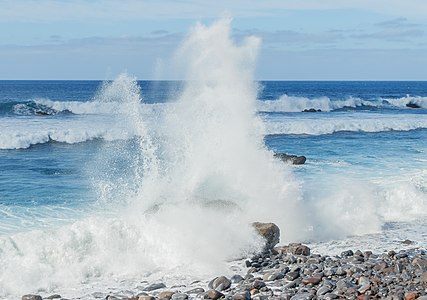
pixel 270 232
pixel 311 110
pixel 412 105
pixel 294 159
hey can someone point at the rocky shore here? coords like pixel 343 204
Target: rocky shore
pixel 293 272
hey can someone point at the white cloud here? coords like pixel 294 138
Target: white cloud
pixel 95 10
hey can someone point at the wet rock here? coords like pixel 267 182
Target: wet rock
pixel 292 275
pixel 412 105
pixel 146 297
pixel 294 248
pixel 179 296
pixel 242 296
pixel 213 294
pixel 411 296
pixel 270 232
pixel 364 288
pixel 311 280
pixel 294 159
pixel 302 296
pixel 311 110
pixel 165 295
pixel 258 284
pixel 347 253
pixel 198 290
pixel 423 278
pixel 31 297
pixel 219 283
pixel 236 278
pixel 154 286
pixel 55 296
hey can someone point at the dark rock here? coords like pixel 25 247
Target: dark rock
pixel 311 110
pixel 412 105
pixel 56 296
pixel 347 253
pixel 294 248
pixel 270 232
pixel 196 291
pixel 236 278
pixel 154 286
pixel 294 159
pixel 292 275
pixel 32 297
pixel 258 284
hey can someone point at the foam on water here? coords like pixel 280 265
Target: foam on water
pixel 327 124
pixel 298 104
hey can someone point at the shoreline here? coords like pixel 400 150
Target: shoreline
pixel 293 272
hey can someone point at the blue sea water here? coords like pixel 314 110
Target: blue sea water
pixel 73 152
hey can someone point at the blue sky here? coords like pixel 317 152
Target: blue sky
pixel 301 39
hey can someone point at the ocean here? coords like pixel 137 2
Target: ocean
pixel 105 184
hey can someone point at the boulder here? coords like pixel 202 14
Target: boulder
pixel 270 232
pixel 311 110
pixel 220 283
pixel 294 159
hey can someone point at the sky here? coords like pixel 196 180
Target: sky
pixel 301 39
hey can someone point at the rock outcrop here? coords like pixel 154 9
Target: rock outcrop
pixel 294 159
pixel 270 232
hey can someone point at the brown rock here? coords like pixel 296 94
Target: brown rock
pixel 412 296
pixel 294 248
pixel 165 295
pixel 270 232
pixel 420 263
pixel 423 278
pixel 312 280
pixel 213 294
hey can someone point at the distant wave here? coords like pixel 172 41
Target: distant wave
pixel 47 107
pixel 408 100
pixel 371 123
pixel 23 133
pixel 299 104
